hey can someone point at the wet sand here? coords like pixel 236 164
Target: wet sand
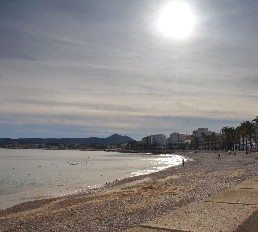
pixel 127 203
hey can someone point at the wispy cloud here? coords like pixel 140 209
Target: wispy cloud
pixel 91 68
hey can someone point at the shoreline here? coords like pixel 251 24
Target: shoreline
pixel 30 193
pixel 132 201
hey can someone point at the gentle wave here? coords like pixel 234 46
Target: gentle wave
pixel 35 174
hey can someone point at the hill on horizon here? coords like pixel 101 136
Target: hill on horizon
pixel 114 139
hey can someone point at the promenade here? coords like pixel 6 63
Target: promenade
pixel 235 209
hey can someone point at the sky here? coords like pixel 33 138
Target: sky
pixel 87 68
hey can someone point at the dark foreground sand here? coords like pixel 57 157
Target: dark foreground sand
pixel 133 201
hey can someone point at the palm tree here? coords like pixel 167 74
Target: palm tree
pixel 248 129
pixel 237 137
pixel 228 137
pixel 255 120
pixel 208 140
pixel 219 141
pixel 204 141
pixel 251 132
pixel 243 132
pixel 214 141
pixel 195 140
pixel 256 129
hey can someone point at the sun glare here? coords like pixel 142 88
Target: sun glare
pixel 176 20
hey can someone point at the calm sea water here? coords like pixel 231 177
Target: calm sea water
pixel 35 174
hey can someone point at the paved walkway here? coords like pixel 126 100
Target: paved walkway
pixel 236 209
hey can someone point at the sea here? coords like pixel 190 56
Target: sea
pixel 30 174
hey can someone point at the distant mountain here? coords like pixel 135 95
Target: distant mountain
pixel 114 139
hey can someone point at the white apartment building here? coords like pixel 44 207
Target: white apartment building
pixel 201 131
pixel 158 139
pixel 176 138
pixel 148 140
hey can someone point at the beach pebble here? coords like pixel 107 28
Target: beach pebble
pixel 128 203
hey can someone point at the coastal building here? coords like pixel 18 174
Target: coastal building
pixel 188 139
pixel 202 138
pixel 148 140
pixel 177 138
pixel 160 140
pixel 201 131
pixel 155 141
pixel 176 141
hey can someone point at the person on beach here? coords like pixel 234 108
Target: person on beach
pixel 183 162
pixel 219 156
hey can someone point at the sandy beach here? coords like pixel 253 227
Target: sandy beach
pixel 127 203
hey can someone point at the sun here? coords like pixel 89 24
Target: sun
pixel 176 20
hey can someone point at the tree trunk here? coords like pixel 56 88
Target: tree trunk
pixel 243 142
pixel 246 144
pixel 251 144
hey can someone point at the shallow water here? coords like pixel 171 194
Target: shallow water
pixel 37 174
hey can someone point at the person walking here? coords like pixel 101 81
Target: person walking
pixel 219 156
